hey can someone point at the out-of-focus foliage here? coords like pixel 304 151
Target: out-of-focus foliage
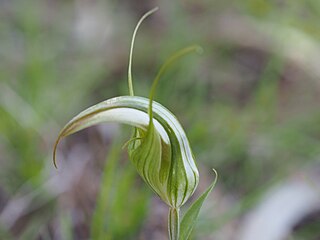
pixel 249 105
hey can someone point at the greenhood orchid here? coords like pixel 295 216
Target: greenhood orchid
pixel 158 148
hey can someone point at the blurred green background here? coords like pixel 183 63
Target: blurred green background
pixel 249 105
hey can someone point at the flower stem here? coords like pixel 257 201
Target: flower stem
pixel 174 223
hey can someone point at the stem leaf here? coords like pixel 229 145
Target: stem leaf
pixel 190 217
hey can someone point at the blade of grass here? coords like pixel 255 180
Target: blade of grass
pixel 98 220
pixel 66 225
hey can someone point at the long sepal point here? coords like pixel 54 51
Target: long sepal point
pixel 131 48
pixel 54 158
pixel 193 48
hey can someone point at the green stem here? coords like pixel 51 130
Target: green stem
pixel 174 223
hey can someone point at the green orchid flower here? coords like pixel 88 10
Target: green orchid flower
pixel 158 148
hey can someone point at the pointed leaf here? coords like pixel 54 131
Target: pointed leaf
pixel 190 217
